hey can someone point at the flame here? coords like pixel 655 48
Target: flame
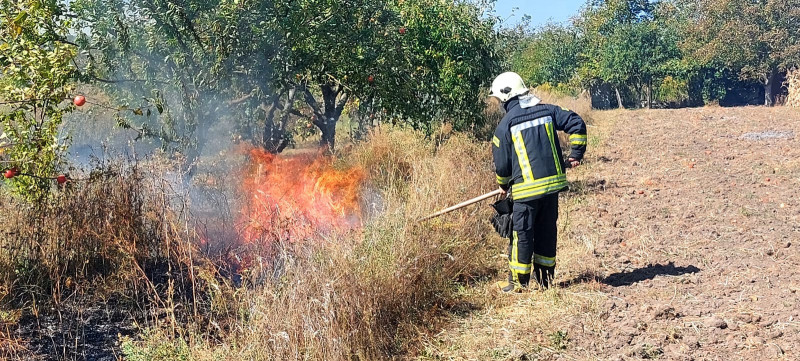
pixel 295 198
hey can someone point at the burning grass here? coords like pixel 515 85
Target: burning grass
pixel 362 292
pixel 296 197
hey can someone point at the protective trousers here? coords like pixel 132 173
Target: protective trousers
pixel 533 244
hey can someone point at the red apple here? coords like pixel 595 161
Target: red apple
pixel 11 173
pixel 79 100
pixel 61 179
pixel 371 79
pixel 402 31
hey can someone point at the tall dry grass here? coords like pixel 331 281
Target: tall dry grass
pixel 106 229
pixel 361 295
pixel 365 295
pixel 113 241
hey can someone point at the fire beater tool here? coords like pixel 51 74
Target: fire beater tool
pixel 456 207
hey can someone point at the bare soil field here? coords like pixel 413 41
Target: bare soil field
pixel 680 240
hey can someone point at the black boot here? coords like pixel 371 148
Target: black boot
pixel 544 275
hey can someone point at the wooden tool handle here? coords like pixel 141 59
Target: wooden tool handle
pixel 494 193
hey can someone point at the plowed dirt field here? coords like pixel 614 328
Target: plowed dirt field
pixel 680 240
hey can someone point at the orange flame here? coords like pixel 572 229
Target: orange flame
pixel 294 198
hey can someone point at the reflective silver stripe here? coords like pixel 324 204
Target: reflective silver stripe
pixel 531 123
pixel 544 261
pixel 522 156
pixel 520 268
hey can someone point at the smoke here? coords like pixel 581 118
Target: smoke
pixel 207 181
pixel 195 118
pixel 237 193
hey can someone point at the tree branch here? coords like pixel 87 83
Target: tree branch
pixel 312 103
pixel 242 99
pixel 342 102
pixel 120 81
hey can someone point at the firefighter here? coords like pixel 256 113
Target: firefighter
pixel 529 166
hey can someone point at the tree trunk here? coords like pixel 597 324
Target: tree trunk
pixel 334 101
pixel 619 99
pixel 769 88
pixel 275 138
pixel 650 94
pixel 328 140
pixel 269 138
pixel 696 91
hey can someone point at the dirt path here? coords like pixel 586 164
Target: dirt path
pixel 680 241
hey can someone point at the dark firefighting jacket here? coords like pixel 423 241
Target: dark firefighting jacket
pixel 526 150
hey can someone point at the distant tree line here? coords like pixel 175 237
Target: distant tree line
pixel 640 53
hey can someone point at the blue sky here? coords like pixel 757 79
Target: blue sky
pixel 541 11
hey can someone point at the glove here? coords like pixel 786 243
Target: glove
pixel 502 220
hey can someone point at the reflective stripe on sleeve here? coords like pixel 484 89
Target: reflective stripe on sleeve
pixel 578 139
pixel 496 141
pixel 503 180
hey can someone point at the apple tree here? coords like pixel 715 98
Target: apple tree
pixel 37 76
pixel 267 63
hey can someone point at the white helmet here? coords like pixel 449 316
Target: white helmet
pixel 507 86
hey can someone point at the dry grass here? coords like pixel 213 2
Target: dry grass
pixel 370 293
pixel 107 244
pixel 95 231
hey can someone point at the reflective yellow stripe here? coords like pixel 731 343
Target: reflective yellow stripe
pixel 503 180
pixel 522 156
pixel 496 142
pixel 556 158
pixel 544 261
pixel 520 268
pixel 520 187
pixel 578 139
pixel 544 186
pixel 532 193
pixel 514 260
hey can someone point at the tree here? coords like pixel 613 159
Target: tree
pixel 196 62
pixel 549 56
pixel 439 69
pixel 37 77
pixel 258 59
pixel 628 46
pixel 756 38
